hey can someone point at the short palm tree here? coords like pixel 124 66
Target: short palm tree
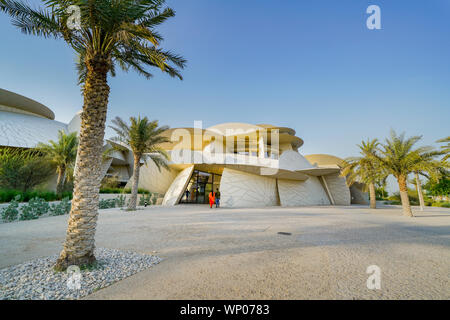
pixel 365 169
pixel 399 158
pixel 445 148
pixel 112 32
pixel 143 137
pixel 61 154
pixel 429 168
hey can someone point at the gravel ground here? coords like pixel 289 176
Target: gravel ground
pixel 36 279
pixel 239 253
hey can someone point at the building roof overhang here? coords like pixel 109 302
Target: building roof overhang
pixel 256 170
pixel 17 101
pixel 322 171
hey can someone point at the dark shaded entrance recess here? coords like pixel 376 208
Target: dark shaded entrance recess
pixel 199 187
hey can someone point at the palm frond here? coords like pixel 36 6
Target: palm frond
pixel 122 31
pixel 143 137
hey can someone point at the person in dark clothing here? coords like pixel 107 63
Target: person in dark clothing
pixel 187 195
pixel 217 198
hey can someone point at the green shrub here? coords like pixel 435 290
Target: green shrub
pixel 120 190
pixel 441 204
pixel 412 195
pixel 51 196
pixel 11 212
pixel 6 195
pixel 120 201
pixel 111 190
pixel 63 207
pixel 28 215
pixel 438 188
pixel 35 208
pixel 23 169
pixel 155 198
pixel 140 191
pixel 107 203
pixel 110 182
pixel 145 198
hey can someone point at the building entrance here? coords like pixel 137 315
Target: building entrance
pixel 199 187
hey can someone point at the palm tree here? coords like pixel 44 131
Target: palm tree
pixel 143 137
pixel 399 158
pixel 445 148
pixel 429 168
pixel 381 187
pixel 119 32
pixel 365 169
pixel 61 154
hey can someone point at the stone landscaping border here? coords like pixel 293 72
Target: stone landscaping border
pixel 36 279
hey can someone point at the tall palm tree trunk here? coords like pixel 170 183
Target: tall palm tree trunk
pixel 79 245
pixel 404 196
pixel 134 188
pixel 419 191
pixel 60 180
pixel 373 196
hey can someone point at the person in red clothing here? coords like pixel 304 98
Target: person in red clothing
pixel 212 199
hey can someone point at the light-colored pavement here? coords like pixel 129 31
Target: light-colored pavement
pixel 238 253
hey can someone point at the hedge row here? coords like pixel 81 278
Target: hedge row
pixel 427 203
pixel 9 195
pixel 120 190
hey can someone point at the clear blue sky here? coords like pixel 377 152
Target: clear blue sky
pixel 309 65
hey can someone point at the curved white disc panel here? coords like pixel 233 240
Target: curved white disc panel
pixel 176 189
